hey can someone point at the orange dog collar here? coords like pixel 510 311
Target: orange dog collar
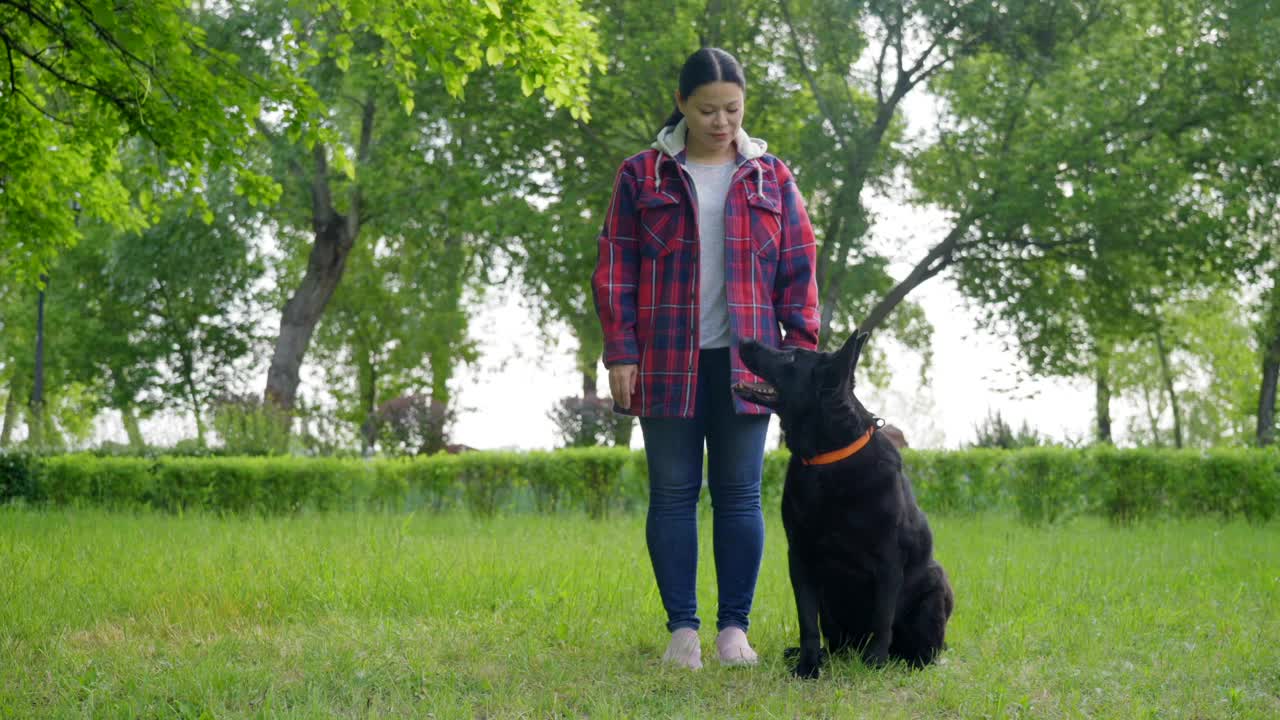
pixel 835 456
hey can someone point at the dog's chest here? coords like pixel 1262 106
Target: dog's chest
pixel 834 516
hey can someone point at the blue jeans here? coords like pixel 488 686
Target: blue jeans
pixel 735 462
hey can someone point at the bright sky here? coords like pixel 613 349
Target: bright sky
pixel 503 400
pixel 505 397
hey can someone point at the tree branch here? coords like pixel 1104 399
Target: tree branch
pixel 129 111
pixel 935 261
pixel 808 74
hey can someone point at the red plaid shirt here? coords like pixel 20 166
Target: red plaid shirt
pixel 646 278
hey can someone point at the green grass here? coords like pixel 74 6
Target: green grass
pixel 366 615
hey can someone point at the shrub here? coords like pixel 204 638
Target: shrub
pixel 249 426
pixel 18 476
pixel 1042 485
pixel 590 422
pixel 409 425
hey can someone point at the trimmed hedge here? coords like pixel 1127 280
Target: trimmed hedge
pixel 1042 485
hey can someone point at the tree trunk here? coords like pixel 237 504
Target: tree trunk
pixel 1102 396
pixel 10 414
pixel 35 435
pixel 187 368
pixel 335 235
pixel 1153 421
pixel 367 379
pixel 441 372
pixel 1167 377
pixel 1267 391
pixel 1269 341
pixel 131 428
pixel 328 260
pixel 588 385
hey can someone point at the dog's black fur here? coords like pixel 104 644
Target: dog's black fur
pixel 860 549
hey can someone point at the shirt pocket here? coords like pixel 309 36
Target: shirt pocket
pixel 765 211
pixel 660 223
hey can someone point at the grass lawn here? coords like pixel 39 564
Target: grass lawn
pixel 366 615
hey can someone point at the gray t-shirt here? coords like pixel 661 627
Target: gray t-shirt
pixel 711 183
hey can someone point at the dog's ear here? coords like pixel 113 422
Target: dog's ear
pixel 852 349
pixel 846 359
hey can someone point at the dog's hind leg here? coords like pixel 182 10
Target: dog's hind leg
pixel 920 633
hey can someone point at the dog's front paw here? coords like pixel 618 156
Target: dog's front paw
pixel 808 668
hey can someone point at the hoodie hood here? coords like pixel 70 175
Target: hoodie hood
pixel 671 142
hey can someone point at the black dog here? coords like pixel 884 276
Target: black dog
pixel 860 549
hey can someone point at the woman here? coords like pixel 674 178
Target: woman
pixel 706 243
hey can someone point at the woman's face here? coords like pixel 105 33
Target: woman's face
pixel 714 114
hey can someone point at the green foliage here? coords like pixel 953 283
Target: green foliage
pixel 18 476
pixel 1213 359
pixel 410 425
pixel 248 426
pixel 77 80
pixel 1042 485
pixel 1047 484
pixel 963 482
pixel 1095 177
pixel 995 432
pixel 590 422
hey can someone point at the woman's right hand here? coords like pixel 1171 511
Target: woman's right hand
pixel 622 384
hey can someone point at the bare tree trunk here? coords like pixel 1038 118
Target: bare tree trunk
pixel 367 378
pixel 188 380
pixel 1267 391
pixel 1102 396
pixel 1153 421
pixel 335 235
pixel 441 373
pixel 35 433
pixel 1167 378
pixel 10 414
pixel 1269 341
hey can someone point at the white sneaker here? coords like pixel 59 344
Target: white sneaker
pixel 733 648
pixel 685 649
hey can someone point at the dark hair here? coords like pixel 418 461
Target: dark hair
pixel 707 65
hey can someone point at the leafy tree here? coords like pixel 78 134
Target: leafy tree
pixel 363 60
pixel 78 79
pixel 1193 374
pixel 1085 186
pixel 198 334
pixel 162 318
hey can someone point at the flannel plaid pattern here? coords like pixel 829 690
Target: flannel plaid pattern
pixel 645 283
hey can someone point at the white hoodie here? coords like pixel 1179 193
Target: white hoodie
pixel 671 141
